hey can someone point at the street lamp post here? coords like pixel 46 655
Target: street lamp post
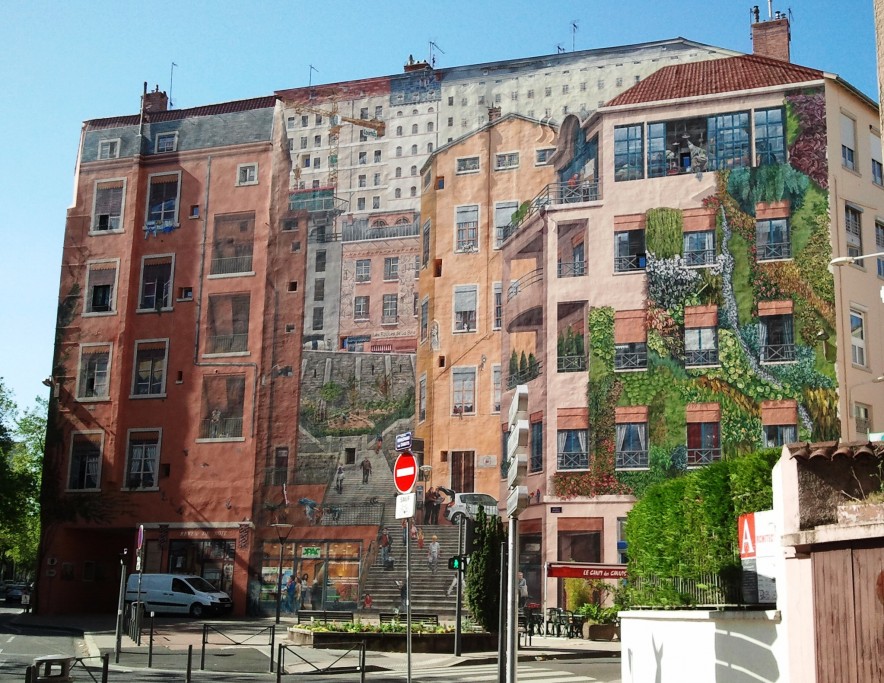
pixel 282 533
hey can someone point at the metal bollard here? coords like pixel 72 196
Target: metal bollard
pixel 203 649
pixel 105 663
pixel 189 660
pixel 362 662
pixel 150 644
pixel 272 643
pixel 279 664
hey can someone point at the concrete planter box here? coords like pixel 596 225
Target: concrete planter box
pixel 601 631
pixel 860 513
pixel 439 643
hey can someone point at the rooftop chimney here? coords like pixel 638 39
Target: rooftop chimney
pixel 771 38
pixel 414 65
pixel 493 113
pixel 153 102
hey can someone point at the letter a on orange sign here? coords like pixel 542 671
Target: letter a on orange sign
pixel 747 536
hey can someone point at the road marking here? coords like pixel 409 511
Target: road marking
pixel 490 672
pixel 10 639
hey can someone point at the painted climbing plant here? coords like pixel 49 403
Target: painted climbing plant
pixel 735 281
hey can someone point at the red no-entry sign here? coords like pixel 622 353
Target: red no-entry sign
pixel 405 472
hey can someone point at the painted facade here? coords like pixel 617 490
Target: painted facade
pixel 706 203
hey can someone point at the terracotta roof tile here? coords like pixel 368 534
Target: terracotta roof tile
pixel 176 114
pixel 745 72
pixel 830 449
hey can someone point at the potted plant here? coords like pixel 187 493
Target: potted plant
pixel 602 623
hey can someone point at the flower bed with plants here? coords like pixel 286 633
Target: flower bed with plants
pixel 390 637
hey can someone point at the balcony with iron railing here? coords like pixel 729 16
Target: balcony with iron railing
pixel 574 269
pixel 633 357
pixel 631 460
pixel 778 353
pixel 221 428
pixel 629 263
pixel 228 343
pixel 699 257
pixel 524 301
pixel 773 251
pixel 228 265
pixel 703 456
pixel 572 460
pixel 525 375
pixel 571 363
pixel 360 230
pixel 554 194
pixel 700 357
pixel 316 200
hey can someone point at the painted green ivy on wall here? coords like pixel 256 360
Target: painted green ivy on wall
pixel 735 283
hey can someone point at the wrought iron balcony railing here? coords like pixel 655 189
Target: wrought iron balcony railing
pixel 774 250
pixel 228 343
pixel 701 257
pixel 628 460
pixel 703 456
pixel 575 269
pixel 221 428
pixel 571 363
pixel 701 357
pixel 231 264
pixel 778 353
pixel 572 460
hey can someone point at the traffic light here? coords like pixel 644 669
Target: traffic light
pixel 458 562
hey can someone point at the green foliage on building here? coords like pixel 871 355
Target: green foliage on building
pixel 483 572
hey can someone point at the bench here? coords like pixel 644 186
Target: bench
pixel 324 616
pixel 416 618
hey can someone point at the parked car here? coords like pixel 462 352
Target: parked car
pixel 15 591
pixel 466 506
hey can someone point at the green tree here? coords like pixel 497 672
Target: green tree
pixel 22 438
pixel 483 572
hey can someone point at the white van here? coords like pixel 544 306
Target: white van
pixel 177 594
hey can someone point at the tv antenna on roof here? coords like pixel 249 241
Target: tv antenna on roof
pixel 559 48
pixel 432 56
pixel 310 75
pixel 574 35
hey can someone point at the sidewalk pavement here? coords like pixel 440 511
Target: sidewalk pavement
pixel 174 635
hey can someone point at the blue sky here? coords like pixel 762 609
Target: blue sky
pixel 65 62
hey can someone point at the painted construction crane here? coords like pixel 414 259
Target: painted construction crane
pixel 376 126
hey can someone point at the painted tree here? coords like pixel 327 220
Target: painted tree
pixel 483 571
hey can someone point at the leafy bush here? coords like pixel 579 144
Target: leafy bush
pixel 664 232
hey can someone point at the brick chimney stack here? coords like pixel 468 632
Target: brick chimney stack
pixel 153 102
pixel 493 113
pixel 771 38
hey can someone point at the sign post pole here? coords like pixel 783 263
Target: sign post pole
pixel 404 478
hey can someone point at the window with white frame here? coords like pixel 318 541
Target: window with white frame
pixel 362 181
pixel 854 228
pixel 541 156
pixel 391 268
pixel 101 284
pixel 506 160
pixel 109 149
pixel 497 306
pixel 107 207
pixel 631 449
pixel 467 165
pixel 143 459
pixel 848 142
pixel 858 337
pixel 875 152
pixel 377 156
pixel 361 307
pixel 376 179
pixel 247 174
pixel 495 388
pixel 363 270
pixel 92 378
pixel 571 447
pixel 166 142
pixel 162 201
pixel 363 157
pixel 84 472
pixel 376 202
pixel 503 216
pixel 463 384
pixel 465 297
pixel 390 310
pixel 360 203
pixel 156 283
pixel 425 319
pixel 467 228
pixel 149 377
pixel 422 399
